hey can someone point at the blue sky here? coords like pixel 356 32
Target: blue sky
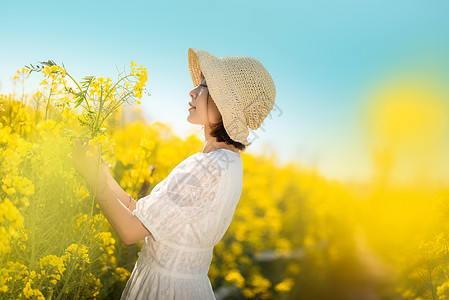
pixel 323 56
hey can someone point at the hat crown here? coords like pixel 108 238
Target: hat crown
pixel 255 88
pixel 240 86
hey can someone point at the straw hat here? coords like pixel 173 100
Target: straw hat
pixel 240 86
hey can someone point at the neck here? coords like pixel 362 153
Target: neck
pixel 212 144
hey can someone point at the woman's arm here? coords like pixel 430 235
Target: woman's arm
pixel 119 192
pixel 109 195
pixel 126 225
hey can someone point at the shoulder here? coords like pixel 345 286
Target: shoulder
pixel 211 166
pixel 219 160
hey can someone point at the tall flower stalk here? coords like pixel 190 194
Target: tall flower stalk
pixel 98 96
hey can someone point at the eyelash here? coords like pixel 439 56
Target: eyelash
pixel 203 85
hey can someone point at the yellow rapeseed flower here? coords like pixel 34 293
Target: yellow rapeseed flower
pixel 106 238
pixel 75 251
pixel 9 191
pixel 20 271
pixel 260 283
pixel 122 274
pixel 235 277
pixel 442 291
pixel 53 261
pixel 29 292
pixel 285 285
pixel 248 293
pixel 142 76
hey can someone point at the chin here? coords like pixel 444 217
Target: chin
pixel 191 121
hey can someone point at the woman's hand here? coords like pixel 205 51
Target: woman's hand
pixel 88 162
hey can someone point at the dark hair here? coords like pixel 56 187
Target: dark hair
pixel 218 131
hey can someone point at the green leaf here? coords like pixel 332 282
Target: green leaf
pixel 88 78
pixel 78 102
pixel 82 121
pixel 48 63
pixel 86 83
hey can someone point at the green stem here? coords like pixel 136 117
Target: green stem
pixel 48 103
pixel 84 96
pixel 97 119
pixel 117 83
pixel 114 108
pixel 102 100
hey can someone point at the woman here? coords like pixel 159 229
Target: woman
pixel 188 213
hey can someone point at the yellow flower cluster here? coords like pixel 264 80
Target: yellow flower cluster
pixel 76 252
pixel 14 272
pixel 22 73
pixel 30 293
pixel 106 240
pixel 55 82
pixel 55 73
pixel 285 286
pixel 15 117
pixel 236 278
pixel 18 184
pixel 53 267
pixel 101 87
pixel 122 274
pixel 142 77
pixel 12 158
pixel 10 221
pixel 106 243
pixel 4 134
pixel 91 226
pixel 93 283
pixel 443 291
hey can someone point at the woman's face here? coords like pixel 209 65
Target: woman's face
pixel 204 111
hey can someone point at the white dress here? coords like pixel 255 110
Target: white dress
pixel 187 214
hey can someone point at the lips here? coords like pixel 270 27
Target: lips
pixel 191 106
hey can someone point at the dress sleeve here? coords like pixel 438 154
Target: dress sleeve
pixel 181 198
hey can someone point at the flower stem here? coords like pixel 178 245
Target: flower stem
pixel 48 103
pixel 84 96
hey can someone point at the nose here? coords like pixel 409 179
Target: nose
pixel 193 93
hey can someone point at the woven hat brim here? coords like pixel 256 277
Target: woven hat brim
pixel 215 73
